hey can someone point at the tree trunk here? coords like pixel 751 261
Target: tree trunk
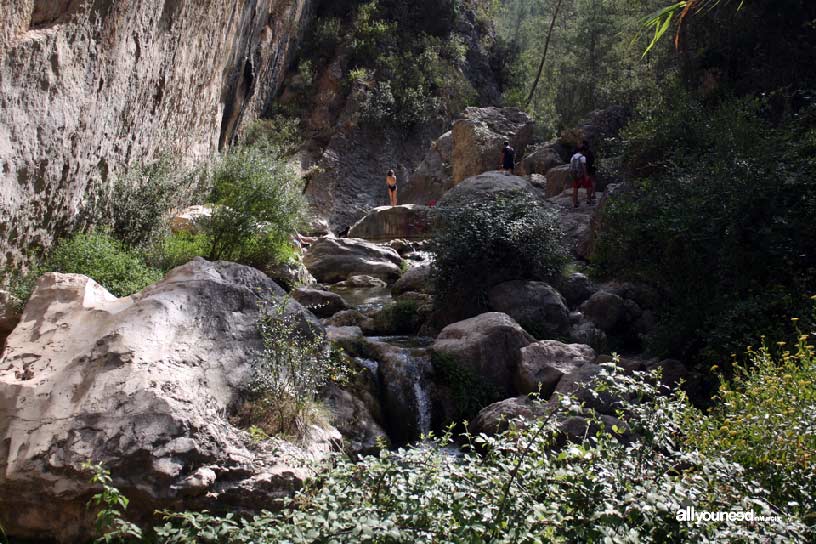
pixel 544 55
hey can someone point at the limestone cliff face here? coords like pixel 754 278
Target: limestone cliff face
pixel 89 87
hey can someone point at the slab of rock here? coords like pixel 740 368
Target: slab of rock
pixel 189 220
pixel 416 279
pixel 290 274
pixel 540 161
pixel 320 303
pixel 479 135
pixel 488 345
pixel 434 175
pixel 544 363
pixel 332 260
pixel 143 384
pixel 484 188
pixel 539 308
pixel 386 223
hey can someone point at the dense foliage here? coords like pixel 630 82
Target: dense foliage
pixel 721 223
pixel 479 245
pixel 625 482
pixel 404 59
pixel 97 255
pixel 258 206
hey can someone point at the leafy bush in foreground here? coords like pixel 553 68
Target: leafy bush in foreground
pixel 482 244
pixel 764 420
pixel 602 489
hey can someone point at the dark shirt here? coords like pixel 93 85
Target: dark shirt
pixel 508 158
pixel 590 158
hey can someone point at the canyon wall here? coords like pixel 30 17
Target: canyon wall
pixel 88 87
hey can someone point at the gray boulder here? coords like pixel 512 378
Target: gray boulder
pixel 417 279
pixel 606 310
pixel 320 303
pixel 332 260
pixel 576 288
pixel 386 223
pixel 434 175
pixel 544 363
pixel 145 385
pixel 479 135
pixel 559 179
pixel 488 345
pixel 485 187
pixel 540 161
pixel 500 416
pixel 539 308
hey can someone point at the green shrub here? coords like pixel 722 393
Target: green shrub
pixel 140 202
pixel 719 220
pixel 480 245
pixel 294 366
pixel 278 135
pixel 763 419
pixel 106 260
pixel 177 249
pixel 524 489
pixel 258 206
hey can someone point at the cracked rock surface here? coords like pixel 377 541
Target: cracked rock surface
pixel 145 385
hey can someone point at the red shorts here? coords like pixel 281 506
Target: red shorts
pixel 586 182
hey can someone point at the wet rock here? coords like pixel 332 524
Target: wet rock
pixel 352 415
pixel 332 260
pixel 386 223
pixel 544 363
pixel 479 135
pixel 488 345
pixel 417 279
pixel 361 282
pixel 535 305
pixel 143 384
pixel 320 303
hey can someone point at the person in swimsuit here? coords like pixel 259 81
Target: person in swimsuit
pixel 391 182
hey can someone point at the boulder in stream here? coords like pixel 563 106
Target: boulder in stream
pixel 332 260
pixel 387 223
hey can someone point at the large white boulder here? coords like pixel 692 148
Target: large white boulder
pixel 145 385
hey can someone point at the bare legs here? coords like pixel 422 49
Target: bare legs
pixel 392 196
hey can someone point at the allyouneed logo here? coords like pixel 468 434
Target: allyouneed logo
pixel 691 515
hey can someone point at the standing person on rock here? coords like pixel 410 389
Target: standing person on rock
pixel 579 169
pixel 508 159
pixel 391 183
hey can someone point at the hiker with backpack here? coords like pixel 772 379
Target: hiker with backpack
pixel 508 159
pixel 580 172
pixel 391 183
